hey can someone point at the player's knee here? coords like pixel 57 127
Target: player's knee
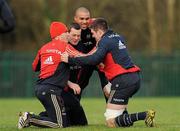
pixel 110 115
pixel 78 116
pixel 117 118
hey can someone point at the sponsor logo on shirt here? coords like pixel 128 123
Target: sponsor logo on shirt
pixel 121 45
pixel 118 100
pixel 113 35
pixel 75 67
pixel 88 43
pixel 54 51
pixel 49 61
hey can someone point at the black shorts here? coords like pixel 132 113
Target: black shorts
pixel 123 87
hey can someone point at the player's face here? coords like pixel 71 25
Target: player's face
pixel 96 34
pixel 74 36
pixel 82 18
pixel 63 37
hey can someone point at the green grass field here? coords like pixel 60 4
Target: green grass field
pixel 167 114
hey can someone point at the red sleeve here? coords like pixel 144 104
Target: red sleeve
pixel 72 51
pixel 36 63
pixel 75 53
pixel 91 21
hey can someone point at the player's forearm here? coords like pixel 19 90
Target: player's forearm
pixel 82 61
pixel 75 53
pixel 93 59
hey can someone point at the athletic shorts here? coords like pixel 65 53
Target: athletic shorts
pixel 123 87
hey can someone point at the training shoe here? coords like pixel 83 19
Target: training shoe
pixel 149 120
pixel 23 120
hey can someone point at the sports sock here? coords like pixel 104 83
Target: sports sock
pixel 126 120
pixel 138 116
pixel 123 120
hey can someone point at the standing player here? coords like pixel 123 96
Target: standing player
pixel 87 43
pixel 120 71
pixel 6 18
pixel 53 77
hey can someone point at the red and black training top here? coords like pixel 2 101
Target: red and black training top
pixel 48 62
pixel 113 53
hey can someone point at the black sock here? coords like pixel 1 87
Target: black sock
pixel 138 116
pixel 124 120
pixel 125 111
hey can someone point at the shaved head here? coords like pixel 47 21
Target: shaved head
pixel 81 9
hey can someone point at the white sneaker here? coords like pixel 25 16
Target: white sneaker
pixel 23 120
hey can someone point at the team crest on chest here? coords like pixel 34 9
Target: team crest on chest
pixel 88 36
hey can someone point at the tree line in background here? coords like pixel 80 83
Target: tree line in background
pixel 149 26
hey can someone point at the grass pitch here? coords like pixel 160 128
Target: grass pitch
pixel 167 114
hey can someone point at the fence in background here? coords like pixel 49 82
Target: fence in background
pixel 160 76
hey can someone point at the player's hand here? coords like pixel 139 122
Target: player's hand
pixel 107 89
pixel 64 57
pixel 75 87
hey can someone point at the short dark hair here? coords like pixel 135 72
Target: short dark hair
pixel 99 23
pixel 75 26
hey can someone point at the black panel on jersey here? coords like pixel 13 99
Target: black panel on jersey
pixel 87 42
pixel 59 78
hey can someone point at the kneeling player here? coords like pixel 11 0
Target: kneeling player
pixel 121 72
pixel 50 92
pixel 123 87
